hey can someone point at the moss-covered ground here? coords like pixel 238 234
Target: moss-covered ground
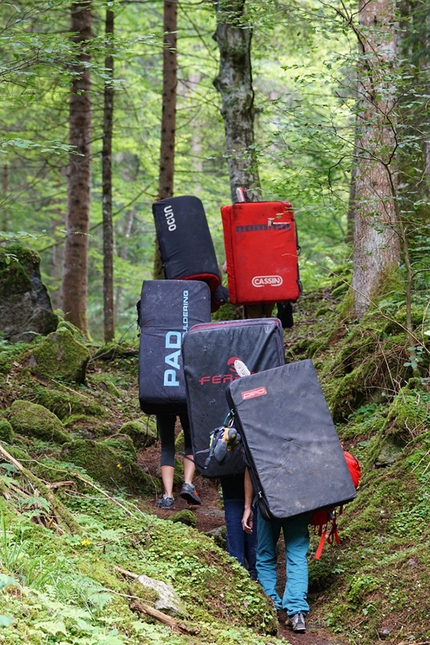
pixel 73 540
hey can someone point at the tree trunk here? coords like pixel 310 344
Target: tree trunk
pixel 376 235
pixel 350 224
pixel 108 243
pixel 168 116
pixel 75 268
pixel 234 82
pixel 5 190
pixel 123 255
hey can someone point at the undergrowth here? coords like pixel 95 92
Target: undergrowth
pixel 70 550
pixel 72 588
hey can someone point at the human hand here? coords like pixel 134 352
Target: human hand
pixel 247 520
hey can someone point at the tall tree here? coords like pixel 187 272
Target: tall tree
pixel 376 230
pixel 75 267
pixel 108 241
pixel 234 82
pixel 168 115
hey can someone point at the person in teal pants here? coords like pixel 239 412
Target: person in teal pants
pixel 296 537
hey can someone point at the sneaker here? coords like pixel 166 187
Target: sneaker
pixel 166 503
pixel 297 623
pixel 188 492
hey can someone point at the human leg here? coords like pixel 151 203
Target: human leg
pixel 240 545
pixel 189 466
pixel 267 538
pixel 233 500
pixel 188 491
pixel 296 535
pixel 166 431
pixel 235 535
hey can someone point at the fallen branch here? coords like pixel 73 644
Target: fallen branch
pixel 11 459
pixel 142 608
pixel 55 485
pixel 125 572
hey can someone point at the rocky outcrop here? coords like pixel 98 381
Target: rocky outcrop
pixel 25 307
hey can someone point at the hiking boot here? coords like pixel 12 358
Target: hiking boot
pixel 188 492
pixel 297 623
pixel 166 503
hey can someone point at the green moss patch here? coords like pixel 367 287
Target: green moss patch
pixel 60 356
pixel 33 420
pixel 108 466
pixel 6 431
pixel 65 403
pixel 143 434
pixel 13 276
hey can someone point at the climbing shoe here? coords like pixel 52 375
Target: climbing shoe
pixel 166 503
pixel 189 493
pixel 297 623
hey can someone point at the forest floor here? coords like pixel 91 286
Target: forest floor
pixel 209 517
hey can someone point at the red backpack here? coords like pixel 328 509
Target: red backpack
pixel 325 519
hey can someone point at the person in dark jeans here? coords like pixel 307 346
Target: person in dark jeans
pixel 240 545
pixel 166 430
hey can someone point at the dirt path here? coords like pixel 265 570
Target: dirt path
pixel 210 516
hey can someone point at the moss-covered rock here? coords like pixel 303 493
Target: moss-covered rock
pixel 390 451
pixel 347 396
pixel 76 333
pixel 219 536
pixel 14 278
pixel 112 351
pixel 60 356
pixel 104 382
pixel 408 414
pixel 64 403
pixel 6 431
pixel 142 434
pixel 185 516
pixel 123 444
pixel 107 466
pixel 33 420
pixel 86 427
pixel 25 307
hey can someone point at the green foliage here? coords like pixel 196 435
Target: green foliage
pixel 4 581
pixel 302 167
pixel 70 588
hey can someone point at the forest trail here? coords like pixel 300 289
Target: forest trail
pixel 210 516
